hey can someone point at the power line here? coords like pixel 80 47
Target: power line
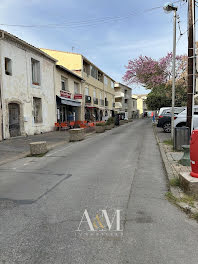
pixel 181 35
pixel 90 22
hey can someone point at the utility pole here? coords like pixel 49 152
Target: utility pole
pixel 173 71
pixel 191 58
pixel 169 8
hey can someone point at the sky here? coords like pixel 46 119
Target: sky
pixel 107 32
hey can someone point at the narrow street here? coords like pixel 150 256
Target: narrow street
pixel 42 201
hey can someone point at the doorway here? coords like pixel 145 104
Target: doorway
pixel 63 113
pixel 14 120
pixel 101 115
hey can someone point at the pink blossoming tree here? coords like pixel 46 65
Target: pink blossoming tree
pixel 151 73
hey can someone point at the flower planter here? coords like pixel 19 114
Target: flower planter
pixel 108 127
pixel 76 134
pixel 100 129
pixel 112 125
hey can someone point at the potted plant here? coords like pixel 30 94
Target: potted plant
pixel 110 123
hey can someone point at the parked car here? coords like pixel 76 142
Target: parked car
pixel 167 111
pixel 164 119
pixel 165 123
pixel 163 109
pixel 180 119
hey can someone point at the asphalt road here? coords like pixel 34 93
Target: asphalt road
pixel 118 170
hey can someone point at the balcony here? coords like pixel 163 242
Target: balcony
pixel 119 95
pixel 126 96
pixel 101 102
pixel 116 85
pixel 118 105
pixel 87 99
pixel 95 101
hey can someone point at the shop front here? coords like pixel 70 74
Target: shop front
pixel 91 113
pixel 67 109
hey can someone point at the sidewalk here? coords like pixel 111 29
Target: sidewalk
pixel 172 156
pixel 188 203
pixel 16 148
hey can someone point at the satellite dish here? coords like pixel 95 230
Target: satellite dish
pixel 169 7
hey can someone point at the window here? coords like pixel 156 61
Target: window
pixel 112 84
pixel 64 84
pixel 87 91
pixel 86 67
pixel 125 100
pixel 35 72
pixel 100 76
pixel 37 110
pixel 101 96
pixel 94 93
pixel 94 72
pixel 8 66
pixel 76 87
pixel 105 80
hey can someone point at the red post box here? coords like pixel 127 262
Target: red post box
pixel 194 153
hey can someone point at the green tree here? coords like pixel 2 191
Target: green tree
pixel 161 96
pixel 158 98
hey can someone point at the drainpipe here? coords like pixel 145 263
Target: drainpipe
pixel 1 91
pixel 54 77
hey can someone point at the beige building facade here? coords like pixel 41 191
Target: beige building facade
pixel 141 103
pixel 135 112
pixel 98 90
pixel 123 100
pixel 68 89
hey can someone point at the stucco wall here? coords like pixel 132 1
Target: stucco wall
pixel 71 61
pixel 125 106
pixel 74 61
pixel 19 88
pixel 71 80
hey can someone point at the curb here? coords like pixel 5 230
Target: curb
pixel 25 154
pixel 166 163
pixel 20 156
pixel 50 147
pixel 191 211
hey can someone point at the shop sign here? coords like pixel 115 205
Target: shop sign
pixel 77 96
pixel 65 94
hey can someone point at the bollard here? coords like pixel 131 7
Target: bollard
pixel 185 160
pixel 37 148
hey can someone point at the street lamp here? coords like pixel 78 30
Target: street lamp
pixel 169 7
